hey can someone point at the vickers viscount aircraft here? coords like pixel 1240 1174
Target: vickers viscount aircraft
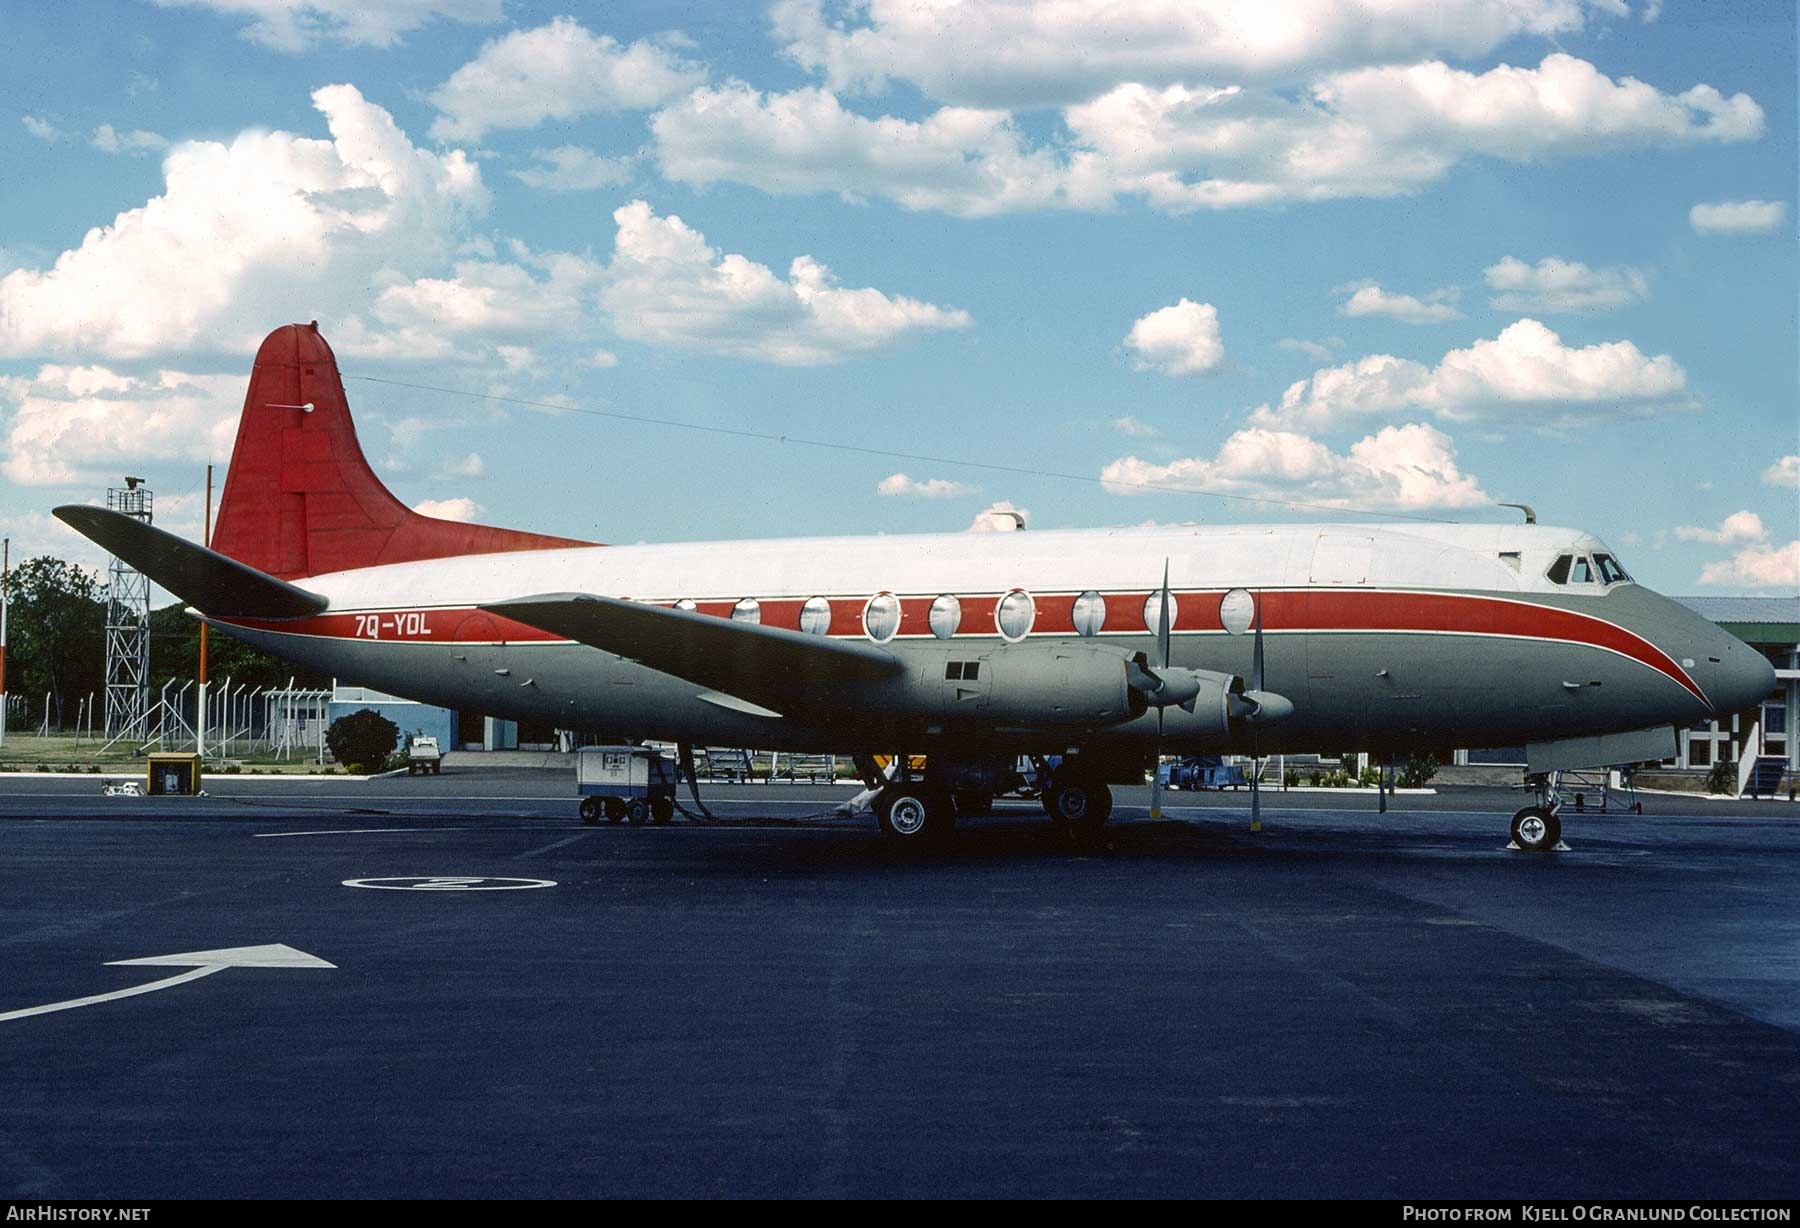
pixel 1090 650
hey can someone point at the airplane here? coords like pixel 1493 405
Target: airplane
pixel 1091 651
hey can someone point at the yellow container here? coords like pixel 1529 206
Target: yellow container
pixel 174 772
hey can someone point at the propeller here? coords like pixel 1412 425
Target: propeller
pixel 1162 665
pixel 1258 696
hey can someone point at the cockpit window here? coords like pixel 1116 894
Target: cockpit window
pixel 1559 570
pixel 1583 573
pixel 1610 571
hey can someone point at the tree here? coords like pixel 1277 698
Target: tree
pixel 57 633
pixel 363 740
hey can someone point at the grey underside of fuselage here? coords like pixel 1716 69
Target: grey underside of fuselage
pixel 1364 690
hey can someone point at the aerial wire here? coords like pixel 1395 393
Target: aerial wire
pixel 893 454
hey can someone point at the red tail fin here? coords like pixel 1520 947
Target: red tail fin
pixel 300 498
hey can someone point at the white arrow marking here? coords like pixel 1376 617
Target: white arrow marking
pixel 198 963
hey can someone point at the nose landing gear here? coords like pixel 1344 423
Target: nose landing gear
pixel 1536 829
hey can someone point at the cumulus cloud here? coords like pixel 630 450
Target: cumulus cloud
pixel 1784 472
pixel 1318 350
pixel 971 163
pixel 666 286
pixel 1525 372
pixel 78 424
pixel 1737 217
pixel 268 227
pixel 42 129
pixel 1762 566
pixel 1737 527
pixel 1397 468
pixel 1044 53
pixel 461 509
pixel 1562 285
pixel 295 25
pixel 1381 131
pixel 558 71
pixel 476 310
pixel 1132 428
pixel 470 466
pixel 1369 299
pixel 898 485
pixel 108 139
pixel 1371 132
pixel 1179 340
pixel 570 168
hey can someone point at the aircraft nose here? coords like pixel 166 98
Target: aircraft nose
pixel 1741 677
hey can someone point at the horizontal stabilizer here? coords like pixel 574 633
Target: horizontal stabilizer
pixel 776 668
pixel 204 579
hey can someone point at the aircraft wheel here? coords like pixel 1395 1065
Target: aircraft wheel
pixel 1536 829
pixel 914 814
pixel 590 810
pixel 637 810
pixel 662 809
pixel 615 810
pixel 1080 807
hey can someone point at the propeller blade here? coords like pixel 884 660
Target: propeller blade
pixel 1256 652
pixel 1162 621
pixel 1156 770
pixel 1255 786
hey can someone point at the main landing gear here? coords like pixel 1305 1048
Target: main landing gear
pixel 1079 803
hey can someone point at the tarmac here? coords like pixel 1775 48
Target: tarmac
pixel 1345 1004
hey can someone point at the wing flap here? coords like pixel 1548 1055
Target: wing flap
pixel 772 667
pixel 205 579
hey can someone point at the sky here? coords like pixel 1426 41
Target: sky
pixel 1146 260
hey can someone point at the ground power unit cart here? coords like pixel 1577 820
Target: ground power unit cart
pixel 625 782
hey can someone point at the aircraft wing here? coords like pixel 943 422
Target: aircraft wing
pixel 769 666
pixel 205 579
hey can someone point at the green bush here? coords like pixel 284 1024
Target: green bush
pixel 1419 768
pixel 1722 778
pixel 363 740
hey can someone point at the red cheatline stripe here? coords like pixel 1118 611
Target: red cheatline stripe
pixel 1320 610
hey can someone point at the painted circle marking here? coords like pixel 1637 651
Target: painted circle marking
pixel 420 882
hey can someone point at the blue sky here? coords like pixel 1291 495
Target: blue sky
pixel 1408 258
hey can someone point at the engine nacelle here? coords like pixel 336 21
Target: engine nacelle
pixel 1208 704
pixel 1060 686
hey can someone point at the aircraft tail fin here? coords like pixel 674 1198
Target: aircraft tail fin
pixel 300 498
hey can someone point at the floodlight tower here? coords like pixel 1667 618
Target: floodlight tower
pixel 128 623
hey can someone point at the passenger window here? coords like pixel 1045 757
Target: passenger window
pixel 1583 573
pixel 1089 613
pixel 1559 570
pixel 881 617
pixel 945 617
pixel 971 670
pixel 1015 614
pixel 815 616
pixel 953 671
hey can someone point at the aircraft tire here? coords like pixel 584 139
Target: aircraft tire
pixel 914 813
pixel 662 809
pixel 1536 829
pixel 1080 807
pixel 590 810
